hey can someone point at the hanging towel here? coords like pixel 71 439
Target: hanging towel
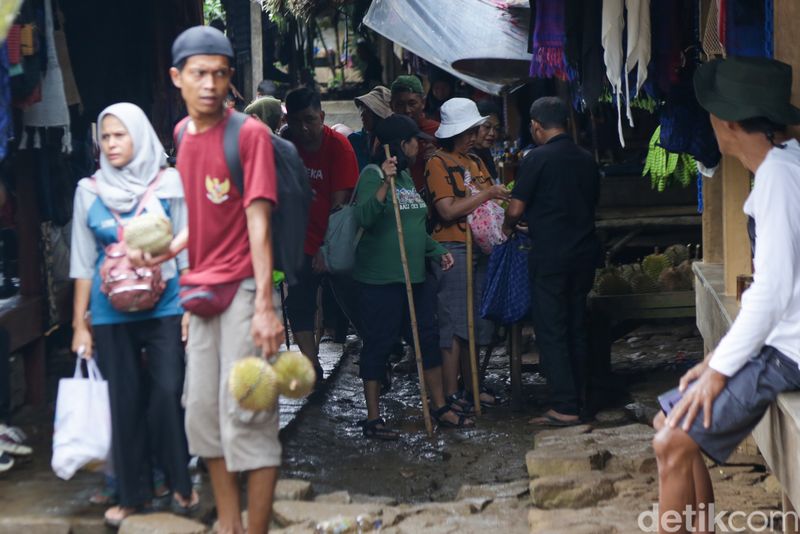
pixel 51 111
pixel 613 22
pixel 638 44
pixel 549 36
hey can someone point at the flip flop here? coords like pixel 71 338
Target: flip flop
pixel 115 522
pixel 549 420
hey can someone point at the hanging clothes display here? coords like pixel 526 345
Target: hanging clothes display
pixel 748 28
pixel 549 37
pixel 637 42
pixel 583 48
pixel 52 111
pixel 6 127
pixel 70 87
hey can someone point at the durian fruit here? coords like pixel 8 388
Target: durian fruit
pixel 673 279
pixel 254 384
pixel 295 374
pixel 643 283
pixel 677 254
pixel 609 282
pixel 653 264
pixel 628 270
pixel 149 232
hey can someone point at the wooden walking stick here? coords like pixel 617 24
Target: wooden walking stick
pixel 411 309
pixel 473 356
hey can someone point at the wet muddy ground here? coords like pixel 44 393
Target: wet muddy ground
pixel 323 443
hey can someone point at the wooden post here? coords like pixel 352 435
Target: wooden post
pixel 712 219
pixel 736 252
pixel 256 52
pixel 473 353
pixel 515 354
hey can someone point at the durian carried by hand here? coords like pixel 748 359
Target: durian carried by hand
pixel 253 384
pixel 149 232
pixel 295 374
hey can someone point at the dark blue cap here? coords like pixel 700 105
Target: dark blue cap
pixel 200 40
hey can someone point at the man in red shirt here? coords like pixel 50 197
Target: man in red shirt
pixel 408 98
pixel 333 172
pixel 230 251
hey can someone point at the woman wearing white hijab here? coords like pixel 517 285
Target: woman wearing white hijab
pixel 145 393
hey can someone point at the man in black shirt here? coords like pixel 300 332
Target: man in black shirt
pixel 557 188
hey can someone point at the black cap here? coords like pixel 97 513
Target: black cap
pixel 398 128
pixel 200 40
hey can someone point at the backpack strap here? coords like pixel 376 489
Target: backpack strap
pixel 451 167
pixel 139 208
pixel 230 146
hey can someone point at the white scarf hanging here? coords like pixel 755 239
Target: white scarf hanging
pixel 639 50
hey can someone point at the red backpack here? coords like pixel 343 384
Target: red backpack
pixel 129 288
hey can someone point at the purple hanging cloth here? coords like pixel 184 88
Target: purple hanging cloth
pixel 549 36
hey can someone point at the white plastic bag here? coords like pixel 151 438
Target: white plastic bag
pixel 82 428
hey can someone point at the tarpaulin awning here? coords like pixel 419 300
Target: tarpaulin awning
pixel 483 42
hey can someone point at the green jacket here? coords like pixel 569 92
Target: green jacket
pixel 378 252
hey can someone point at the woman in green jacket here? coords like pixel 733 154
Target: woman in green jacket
pixel 379 273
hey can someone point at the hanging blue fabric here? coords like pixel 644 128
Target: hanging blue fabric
pixel 699 192
pixel 6 128
pixel 506 296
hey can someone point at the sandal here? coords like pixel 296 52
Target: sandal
pixel 106 496
pixel 376 429
pixel 550 420
pixel 494 403
pixel 463 420
pixel 459 405
pixel 186 510
pixel 115 515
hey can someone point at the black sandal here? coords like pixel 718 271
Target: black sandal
pixel 459 405
pixel 467 395
pixel 376 429
pixel 463 420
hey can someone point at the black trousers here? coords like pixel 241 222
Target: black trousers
pixel 385 317
pixel 146 413
pixel 559 318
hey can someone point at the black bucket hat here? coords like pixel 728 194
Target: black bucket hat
pixel 739 88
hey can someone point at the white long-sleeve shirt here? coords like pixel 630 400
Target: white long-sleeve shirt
pixel 770 310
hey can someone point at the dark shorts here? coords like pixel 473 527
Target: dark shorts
pixel 301 303
pixel 385 317
pixel 744 400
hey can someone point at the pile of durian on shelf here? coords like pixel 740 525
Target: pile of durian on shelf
pixel 667 271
